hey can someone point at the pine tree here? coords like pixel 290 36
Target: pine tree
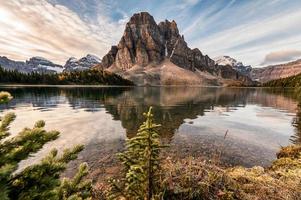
pixel 141 164
pixel 42 180
pixel 76 187
pixel 86 77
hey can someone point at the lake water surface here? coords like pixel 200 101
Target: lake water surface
pixel 194 121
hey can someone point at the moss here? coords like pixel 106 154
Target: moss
pixel 286 163
pixel 258 183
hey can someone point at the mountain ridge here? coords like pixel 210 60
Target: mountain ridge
pixel 151 53
pixel 273 72
pixel 147 45
pixel 237 65
pixel 43 65
pixel 33 64
pixel 84 63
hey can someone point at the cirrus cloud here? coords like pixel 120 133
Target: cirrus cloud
pixel 58 29
pixel 30 27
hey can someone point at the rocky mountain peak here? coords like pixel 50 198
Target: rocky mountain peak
pixel 142 18
pixel 85 63
pixel 236 65
pixel 38 60
pixel 34 64
pixel 42 65
pixel 145 42
pixel 141 42
pixel 109 58
pixel 169 29
pixel 92 58
pixel 225 60
pixel 151 53
pixel 72 59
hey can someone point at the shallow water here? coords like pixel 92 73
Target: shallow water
pixel 194 121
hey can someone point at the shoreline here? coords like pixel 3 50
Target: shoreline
pixel 62 86
pixel 133 86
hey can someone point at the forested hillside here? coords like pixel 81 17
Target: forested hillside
pixel 292 81
pixel 88 77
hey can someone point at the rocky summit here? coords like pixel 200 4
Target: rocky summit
pixel 85 63
pixel 157 54
pixel 238 66
pixel 34 64
pixel 42 65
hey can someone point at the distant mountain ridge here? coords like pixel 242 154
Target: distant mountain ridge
pixel 156 54
pixel 238 66
pixel 264 74
pixel 82 64
pixel 274 72
pixel 291 81
pixel 42 65
pixel 34 64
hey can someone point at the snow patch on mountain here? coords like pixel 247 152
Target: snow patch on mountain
pixel 51 68
pixel 34 64
pixel 42 65
pixel 85 63
pixel 238 66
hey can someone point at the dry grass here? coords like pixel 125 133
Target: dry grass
pixel 195 179
pixel 190 178
pixel 292 151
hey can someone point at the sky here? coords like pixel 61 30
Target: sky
pixel 256 32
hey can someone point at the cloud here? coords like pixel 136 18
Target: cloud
pixel 281 56
pixel 38 28
pixel 191 2
pixel 245 30
pixel 251 40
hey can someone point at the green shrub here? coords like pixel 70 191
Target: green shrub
pixel 42 180
pixel 5 97
pixel 141 164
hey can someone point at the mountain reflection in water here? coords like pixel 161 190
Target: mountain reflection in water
pixel 194 121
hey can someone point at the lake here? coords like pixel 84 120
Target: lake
pixel 234 126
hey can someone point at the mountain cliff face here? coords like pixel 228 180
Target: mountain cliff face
pixel 82 64
pixel 156 54
pixel 145 42
pixel 11 64
pixel 238 66
pixel 34 64
pixel 274 72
